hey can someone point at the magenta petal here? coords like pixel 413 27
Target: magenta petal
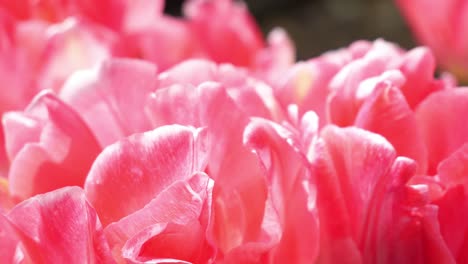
pixel 130 173
pixel 439 119
pixel 111 97
pixel 49 147
pixel 60 227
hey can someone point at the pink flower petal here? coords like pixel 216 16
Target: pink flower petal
pixel 181 204
pixel 250 95
pixel 73 45
pixel 439 119
pixel 226 30
pixel 130 173
pixel 166 243
pixel 10 247
pixel 292 194
pixel 349 164
pixel 111 97
pixel 60 226
pixel 240 191
pixel 453 205
pixel 387 113
pixel 165 42
pixel 418 66
pixel 49 147
pixel 277 57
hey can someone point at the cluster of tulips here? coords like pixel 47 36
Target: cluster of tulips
pixel 129 136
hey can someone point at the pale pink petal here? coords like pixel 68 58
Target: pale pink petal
pixel 73 45
pixel 194 72
pixel 111 97
pixel 61 227
pixel 439 117
pixel 130 173
pixel 140 14
pixel 49 147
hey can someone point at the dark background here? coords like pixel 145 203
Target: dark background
pixel 317 26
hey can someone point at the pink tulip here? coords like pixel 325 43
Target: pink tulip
pixel 44 42
pixel 442 26
pixel 217 148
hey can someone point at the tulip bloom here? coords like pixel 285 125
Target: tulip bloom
pixel 356 156
pixel 44 42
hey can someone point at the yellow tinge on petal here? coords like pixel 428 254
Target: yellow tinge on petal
pixel 303 83
pixel 6 202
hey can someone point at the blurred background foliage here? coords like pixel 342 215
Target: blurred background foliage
pixel 317 26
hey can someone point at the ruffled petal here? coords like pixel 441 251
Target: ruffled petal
pixel 180 204
pixel 130 173
pixel 111 97
pixel 70 46
pixel 387 113
pixel 349 164
pixel 60 227
pixel 291 190
pixel 49 147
